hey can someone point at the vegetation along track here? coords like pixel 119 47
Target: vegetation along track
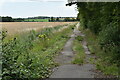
pixel 31 55
pixel 75 59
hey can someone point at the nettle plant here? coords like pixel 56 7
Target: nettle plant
pixel 11 51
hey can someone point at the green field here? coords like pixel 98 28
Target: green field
pixel 36 20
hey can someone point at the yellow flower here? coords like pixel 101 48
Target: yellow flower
pixel 39 35
pixel 42 35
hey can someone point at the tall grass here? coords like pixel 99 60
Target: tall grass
pixel 30 56
pixel 103 59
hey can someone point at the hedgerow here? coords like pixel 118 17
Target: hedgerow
pixel 103 19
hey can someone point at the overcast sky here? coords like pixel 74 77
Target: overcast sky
pixel 30 8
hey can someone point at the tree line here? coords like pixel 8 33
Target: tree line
pixel 10 19
pixel 50 19
pixel 65 19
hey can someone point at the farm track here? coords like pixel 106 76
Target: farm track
pixel 68 70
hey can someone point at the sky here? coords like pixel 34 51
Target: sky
pixel 31 8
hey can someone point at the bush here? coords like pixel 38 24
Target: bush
pixel 30 56
pixel 109 40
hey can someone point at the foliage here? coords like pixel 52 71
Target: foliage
pixel 18 19
pixel 7 19
pixel 30 56
pixel 103 60
pixel 107 69
pixel 68 19
pixel 103 20
pixel 38 19
pixel 52 19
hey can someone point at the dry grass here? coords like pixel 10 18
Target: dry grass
pixel 20 27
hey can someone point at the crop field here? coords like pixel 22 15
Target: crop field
pixel 18 27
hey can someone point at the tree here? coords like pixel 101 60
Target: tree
pixel 18 20
pixel 67 19
pixel 7 19
pixel 57 19
pixel 52 19
pixel 103 20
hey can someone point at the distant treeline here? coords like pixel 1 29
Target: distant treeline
pixel 38 19
pixel 60 19
pixel 10 19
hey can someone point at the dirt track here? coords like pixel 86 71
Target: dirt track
pixel 68 70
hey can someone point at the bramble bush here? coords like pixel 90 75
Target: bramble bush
pixel 30 56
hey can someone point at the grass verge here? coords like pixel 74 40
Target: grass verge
pixel 79 50
pixel 103 59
